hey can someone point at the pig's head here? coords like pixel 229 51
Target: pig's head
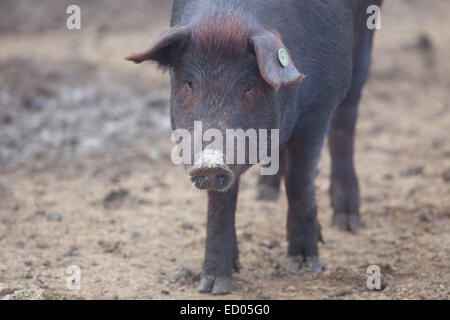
pixel 226 73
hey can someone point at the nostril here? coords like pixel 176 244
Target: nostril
pixel 222 180
pixel 198 181
pixel 211 177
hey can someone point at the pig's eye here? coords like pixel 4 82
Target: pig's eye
pixel 249 87
pixel 189 85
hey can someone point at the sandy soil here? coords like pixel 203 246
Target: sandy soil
pixel 86 177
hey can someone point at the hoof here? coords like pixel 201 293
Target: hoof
pixel 294 263
pixel 346 222
pixel 217 286
pixel 266 193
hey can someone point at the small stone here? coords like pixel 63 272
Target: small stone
pixel 412 171
pixel 109 247
pixel 20 245
pixel 185 277
pixel 247 236
pixel 72 252
pixel 340 293
pixel 8 220
pixel 187 226
pixel 446 175
pixel 115 199
pixel 54 217
pixel 42 245
pixel 271 245
pixel 28 262
pixel 135 235
pixel 29 274
pixel 5 289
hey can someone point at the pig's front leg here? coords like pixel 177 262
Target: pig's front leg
pixel 221 253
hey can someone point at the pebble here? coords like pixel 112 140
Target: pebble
pixel 8 220
pixel 135 235
pixel 340 293
pixel 247 236
pixel 412 171
pixel 271 245
pixel 29 274
pixel 291 289
pixel 54 217
pixel 446 175
pixel 5 289
pixel 187 226
pixel 20 244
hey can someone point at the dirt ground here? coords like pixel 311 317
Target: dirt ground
pixel 86 177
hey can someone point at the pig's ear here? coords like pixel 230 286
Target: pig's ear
pixel 275 64
pixel 161 49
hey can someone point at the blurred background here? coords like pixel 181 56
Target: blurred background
pixel 86 177
pixel 68 93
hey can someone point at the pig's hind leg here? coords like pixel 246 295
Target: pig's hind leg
pixel 268 187
pixel 303 228
pixel 344 189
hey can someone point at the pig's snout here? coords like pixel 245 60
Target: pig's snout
pixel 210 172
pixel 215 178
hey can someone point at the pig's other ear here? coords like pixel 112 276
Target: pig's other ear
pixel 275 64
pixel 161 49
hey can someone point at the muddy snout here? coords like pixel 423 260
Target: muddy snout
pixel 210 172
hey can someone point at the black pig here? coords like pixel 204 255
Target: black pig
pixel 226 71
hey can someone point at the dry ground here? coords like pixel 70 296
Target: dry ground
pixel 86 178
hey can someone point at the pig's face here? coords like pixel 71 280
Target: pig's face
pixel 222 89
pixel 224 74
